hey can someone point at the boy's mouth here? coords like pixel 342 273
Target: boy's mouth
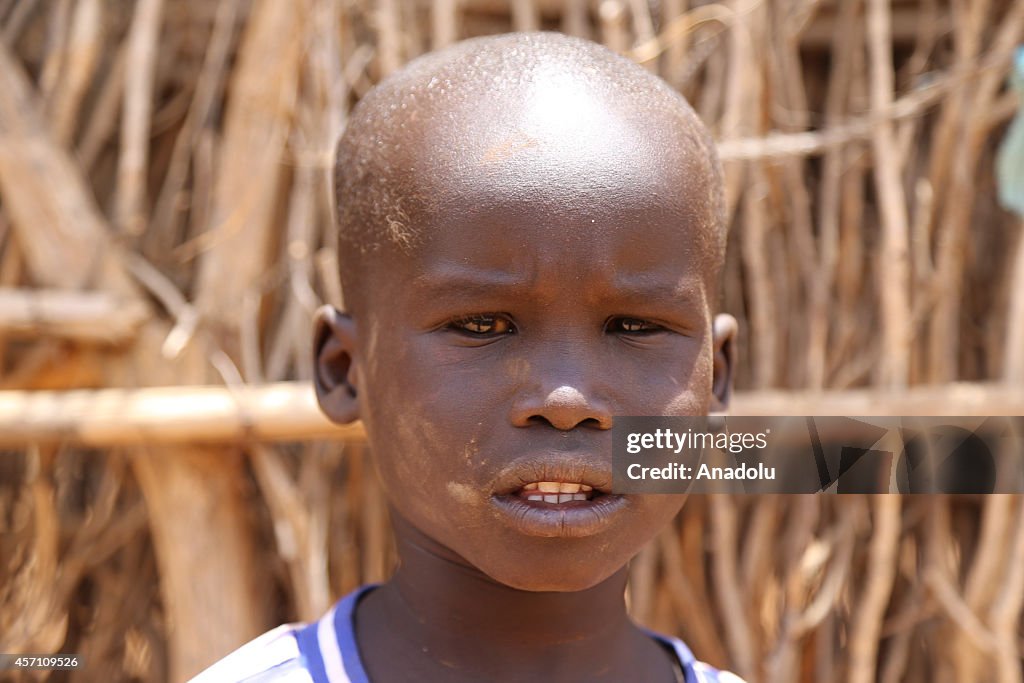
pixel 556 492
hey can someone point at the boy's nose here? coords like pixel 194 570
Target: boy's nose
pixel 563 408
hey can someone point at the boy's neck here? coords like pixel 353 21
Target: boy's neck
pixel 440 614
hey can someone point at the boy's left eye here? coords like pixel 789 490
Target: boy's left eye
pixel 632 326
pixel 484 325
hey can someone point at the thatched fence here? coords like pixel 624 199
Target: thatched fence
pixel 165 234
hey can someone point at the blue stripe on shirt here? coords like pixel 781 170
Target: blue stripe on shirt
pixel 310 651
pixel 345 629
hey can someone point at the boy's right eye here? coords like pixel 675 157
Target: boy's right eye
pixel 482 325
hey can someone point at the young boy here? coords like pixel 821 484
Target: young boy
pixel 531 231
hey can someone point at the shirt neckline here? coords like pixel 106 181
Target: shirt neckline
pixel 343 619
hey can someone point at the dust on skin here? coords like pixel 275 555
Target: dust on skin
pixel 517 369
pixel 472 449
pixel 412 429
pixel 509 147
pixel 464 493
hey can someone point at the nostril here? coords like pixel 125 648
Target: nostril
pixel 563 408
pixel 541 420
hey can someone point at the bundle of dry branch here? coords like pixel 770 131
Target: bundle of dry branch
pixel 165 219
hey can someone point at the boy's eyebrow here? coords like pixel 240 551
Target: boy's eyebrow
pixel 687 287
pixel 466 282
pixel 482 283
pixel 641 289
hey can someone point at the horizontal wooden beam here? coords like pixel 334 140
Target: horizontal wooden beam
pixel 287 411
pixel 79 316
pixel 163 415
pixel 819 34
pixel 962 399
pixel 905 25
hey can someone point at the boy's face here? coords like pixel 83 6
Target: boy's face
pixel 494 356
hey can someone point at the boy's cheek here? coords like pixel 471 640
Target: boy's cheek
pixel 672 384
pixel 667 395
pixel 695 397
pixel 423 494
pixel 446 512
pixel 426 459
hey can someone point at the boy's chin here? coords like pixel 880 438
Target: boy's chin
pixel 553 578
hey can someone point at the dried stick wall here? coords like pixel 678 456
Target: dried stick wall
pixel 165 219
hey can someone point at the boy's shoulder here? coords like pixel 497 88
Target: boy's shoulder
pixel 274 656
pixel 693 670
pixel 320 652
pixel 325 652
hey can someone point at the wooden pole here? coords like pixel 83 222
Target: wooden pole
pixel 143 47
pixel 287 411
pixel 894 267
pixel 1013 365
pixel 166 415
pixel 79 316
pixel 237 243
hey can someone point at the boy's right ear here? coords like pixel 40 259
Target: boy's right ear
pixel 334 343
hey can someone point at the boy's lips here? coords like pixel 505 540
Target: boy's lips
pixel 557 495
pixel 572 467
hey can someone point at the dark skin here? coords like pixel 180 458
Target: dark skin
pixel 561 277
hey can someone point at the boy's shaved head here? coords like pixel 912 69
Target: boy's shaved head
pixel 520 118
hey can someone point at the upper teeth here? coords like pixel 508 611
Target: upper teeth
pixel 556 491
pixel 557 487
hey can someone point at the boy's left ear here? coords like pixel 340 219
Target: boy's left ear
pixel 723 344
pixel 334 372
